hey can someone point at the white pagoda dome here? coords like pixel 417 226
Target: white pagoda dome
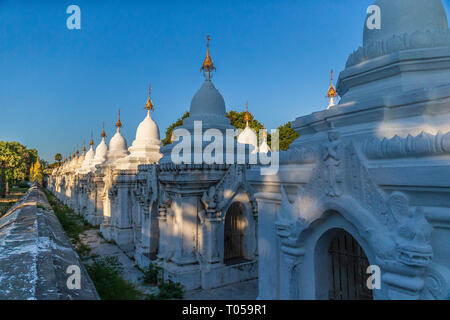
pixel 145 148
pixel 264 147
pixel 248 136
pixel 101 151
pixel 89 157
pixel 118 145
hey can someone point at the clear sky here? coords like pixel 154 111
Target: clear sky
pixel 57 85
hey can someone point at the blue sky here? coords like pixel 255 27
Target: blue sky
pixel 58 85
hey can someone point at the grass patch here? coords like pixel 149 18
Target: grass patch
pixel 106 273
pixel 5 206
pixel 73 224
pixel 18 190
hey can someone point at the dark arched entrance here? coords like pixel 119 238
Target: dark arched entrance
pixel 234 234
pixel 348 266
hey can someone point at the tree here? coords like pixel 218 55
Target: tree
pixel 15 162
pixel 36 172
pixel 58 158
pixel 168 139
pixel 237 120
pixel 32 172
pixel 287 135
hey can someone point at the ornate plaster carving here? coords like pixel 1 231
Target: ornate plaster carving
pixel 407 41
pixel 421 145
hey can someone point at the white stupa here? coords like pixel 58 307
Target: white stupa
pixel 117 145
pixel 248 136
pixel 264 147
pixel 81 158
pixel 146 145
pixel 89 158
pixel 101 151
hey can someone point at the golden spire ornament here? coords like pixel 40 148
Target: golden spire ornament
pixel 91 143
pixel 208 65
pixel 84 147
pixel 332 94
pixel 103 135
pixel 247 116
pixel 78 151
pixel 149 105
pixel 118 123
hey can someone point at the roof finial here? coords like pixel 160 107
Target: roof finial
pixel 247 116
pixel 208 65
pixel 149 105
pixel 103 135
pixel 78 151
pixel 91 143
pixel 331 91
pixel 84 146
pixel 118 123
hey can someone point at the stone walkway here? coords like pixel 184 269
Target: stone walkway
pixel 247 290
pixel 102 248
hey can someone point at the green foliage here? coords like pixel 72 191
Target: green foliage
pixel 287 136
pixel 5 206
pixel 36 172
pixel 170 290
pixel 179 122
pixel 152 274
pixel 15 163
pixel 106 273
pixel 237 121
pixel 72 223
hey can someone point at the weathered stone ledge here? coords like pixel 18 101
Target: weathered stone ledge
pixel 35 253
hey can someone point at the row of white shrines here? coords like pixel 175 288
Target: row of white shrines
pixel 366 184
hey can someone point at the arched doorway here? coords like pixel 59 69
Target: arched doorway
pixel 235 224
pixel 348 264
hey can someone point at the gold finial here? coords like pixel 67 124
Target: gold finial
pixel 70 157
pixel 247 116
pixel 331 91
pixel 91 143
pixel 118 123
pixel 208 65
pixel 84 147
pixel 149 105
pixel 78 151
pixel 103 135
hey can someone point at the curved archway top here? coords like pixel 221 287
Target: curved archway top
pixel 341 182
pixel 234 182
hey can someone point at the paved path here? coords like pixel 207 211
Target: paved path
pixel 247 290
pixel 99 247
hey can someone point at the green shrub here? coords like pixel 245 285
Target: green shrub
pixel 152 274
pixel 106 275
pixel 170 290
